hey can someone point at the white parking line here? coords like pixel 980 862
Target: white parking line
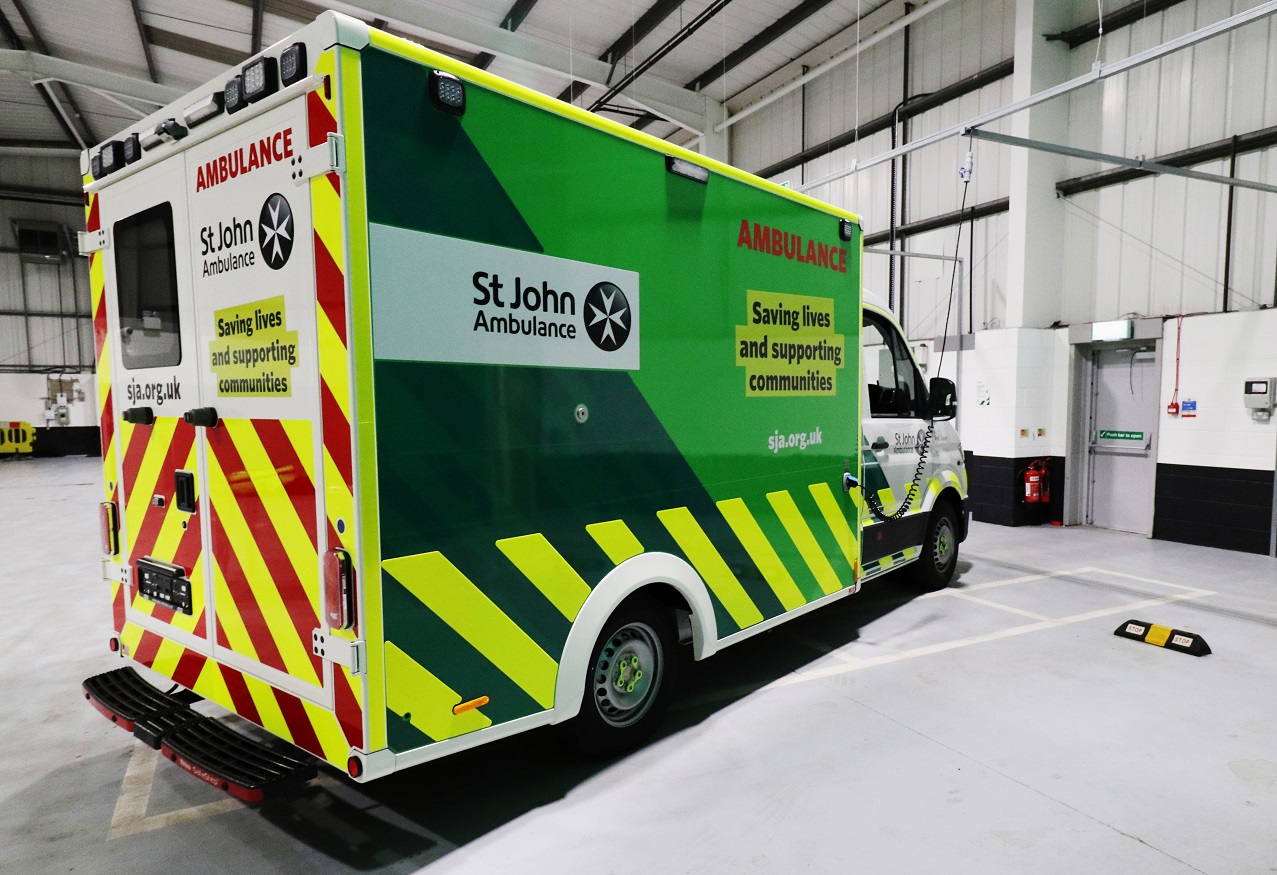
pixel 130 817
pixel 979 601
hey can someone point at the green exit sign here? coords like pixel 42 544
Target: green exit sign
pixel 1111 435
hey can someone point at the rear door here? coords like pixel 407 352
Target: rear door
pixel 151 326
pixel 255 327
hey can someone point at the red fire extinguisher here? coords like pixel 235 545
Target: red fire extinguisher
pixel 1037 485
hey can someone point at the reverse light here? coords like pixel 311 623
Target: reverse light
pixel 339 589
pixel 261 79
pixel 447 93
pixel 686 169
pixel 233 95
pixel 132 149
pixel 202 111
pixel 846 229
pixel 109 521
pixel 292 64
pixel 112 157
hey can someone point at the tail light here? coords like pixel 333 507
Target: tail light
pixel 109 519
pixel 339 589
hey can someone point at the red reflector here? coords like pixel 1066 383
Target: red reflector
pixel 339 589
pixel 114 645
pixel 109 522
pixel 354 767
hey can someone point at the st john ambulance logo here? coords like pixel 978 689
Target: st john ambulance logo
pixel 275 231
pixel 607 316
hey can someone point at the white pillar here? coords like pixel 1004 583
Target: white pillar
pixel 1035 258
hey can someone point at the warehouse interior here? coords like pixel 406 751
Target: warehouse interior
pixel 1067 205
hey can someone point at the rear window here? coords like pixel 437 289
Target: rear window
pixel 146 285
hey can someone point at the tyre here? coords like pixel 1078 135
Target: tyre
pixel 632 670
pixel 935 567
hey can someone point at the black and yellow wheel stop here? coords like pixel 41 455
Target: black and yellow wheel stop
pixel 1163 636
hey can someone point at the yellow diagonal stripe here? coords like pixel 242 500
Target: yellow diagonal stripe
pixel 761 551
pixel 228 616
pixel 616 539
pixel 833 515
pixel 148 473
pixel 792 519
pixel 332 741
pixel 272 490
pixel 710 565
pixel 425 701
pixel 442 588
pixel 548 571
pixel 295 654
pixel 332 362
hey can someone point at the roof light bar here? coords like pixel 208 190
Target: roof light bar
pixel 447 93
pixel 95 166
pixel 846 229
pixel 292 64
pixel 261 79
pixel 202 111
pixel 686 169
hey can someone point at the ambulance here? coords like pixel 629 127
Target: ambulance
pixel 434 410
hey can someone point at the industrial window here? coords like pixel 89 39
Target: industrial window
pixel 895 389
pixel 146 285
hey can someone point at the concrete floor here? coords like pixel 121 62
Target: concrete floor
pixel 998 726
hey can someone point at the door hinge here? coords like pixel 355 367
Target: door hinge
pixel 342 651
pixel 117 573
pixel 92 241
pixel 327 157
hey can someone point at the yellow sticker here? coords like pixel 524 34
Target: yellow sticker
pixel 788 345
pixel 254 353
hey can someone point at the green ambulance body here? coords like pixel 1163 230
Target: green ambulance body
pixel 605 398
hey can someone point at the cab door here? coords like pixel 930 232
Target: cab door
pixel 895 433
pixel 151 325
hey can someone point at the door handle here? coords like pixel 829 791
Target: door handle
pixel 880 444
pixel 205 416
pixel 184 491
pixel 139 416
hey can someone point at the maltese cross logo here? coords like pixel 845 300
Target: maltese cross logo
pixel 275 231
pixel 607 316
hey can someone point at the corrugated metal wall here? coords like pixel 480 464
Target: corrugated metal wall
pixel 1154 246
pixel 55 338
pixel 1157 246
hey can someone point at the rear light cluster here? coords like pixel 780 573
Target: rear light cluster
pixel 109 520
pixel 339 589
pixel 258 79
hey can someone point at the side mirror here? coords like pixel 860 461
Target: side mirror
pixel 944 398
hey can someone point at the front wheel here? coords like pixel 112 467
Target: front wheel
pixel 935 567
pixel 632 670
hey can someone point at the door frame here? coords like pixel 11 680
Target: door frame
pixel 1083 375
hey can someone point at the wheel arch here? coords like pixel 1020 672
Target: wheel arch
pixel 669 579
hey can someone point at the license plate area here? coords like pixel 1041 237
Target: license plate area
pixel 164 584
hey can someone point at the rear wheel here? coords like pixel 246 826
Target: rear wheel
pixel 632 670
pixel 935 567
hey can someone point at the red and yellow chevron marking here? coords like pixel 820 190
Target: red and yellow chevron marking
pixel 334 370
pixel 266 565
pixel 152 453
pixel 106 406
pixel 295 720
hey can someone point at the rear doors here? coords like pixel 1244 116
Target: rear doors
pixel 150 324
pixel 255 330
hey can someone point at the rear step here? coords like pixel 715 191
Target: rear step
pixel 209 750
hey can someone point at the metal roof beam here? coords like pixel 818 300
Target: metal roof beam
pixel 259 13
pixel 34 65
pixel 760 41
pixel 41 195
pixel 189 45
pixel 69 98
pixel 146 43
pixel 517 13
pixel 664 98
pixel 11 36
pixel 1116 19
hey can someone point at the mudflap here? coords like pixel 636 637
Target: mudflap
pixel 211 751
